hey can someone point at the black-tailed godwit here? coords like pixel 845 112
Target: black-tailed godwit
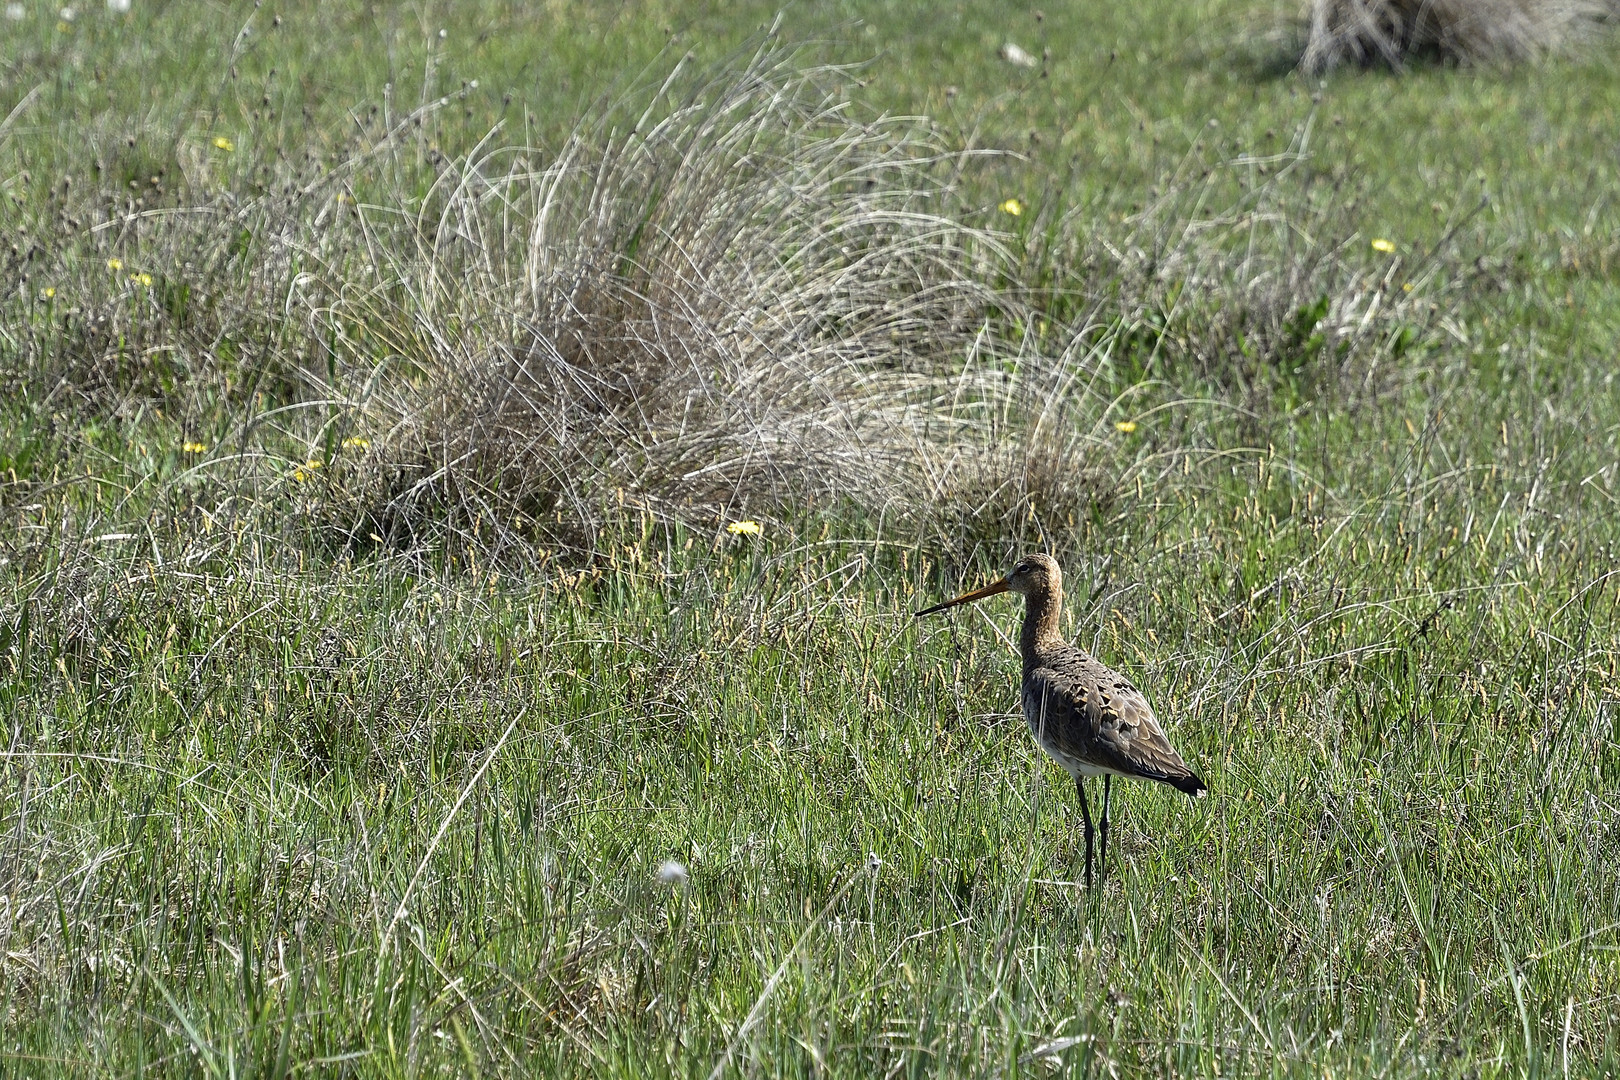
pixel 1086 715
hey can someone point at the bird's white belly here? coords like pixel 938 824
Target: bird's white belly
pixel 1077 767
pixel 1084 768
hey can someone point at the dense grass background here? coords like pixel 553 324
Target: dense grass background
pixel 326 756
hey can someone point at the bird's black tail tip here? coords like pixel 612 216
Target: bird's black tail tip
pixel 1191 784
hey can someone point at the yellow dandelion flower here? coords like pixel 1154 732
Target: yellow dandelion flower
pixel 142 279
pixel 115 264
pixel 1126 426
pixel 1406 286
pixel 744 528
pixel 1013 207
pixel 49 292
pixel 300 475
pixel 222 143
pixel 190 447
pixel 1383 247
pixel 355 442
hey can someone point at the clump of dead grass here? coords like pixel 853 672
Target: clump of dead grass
pixel 731 295
pixel 740 299
pixel 1396 32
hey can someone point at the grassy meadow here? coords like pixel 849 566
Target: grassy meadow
pixel 385 695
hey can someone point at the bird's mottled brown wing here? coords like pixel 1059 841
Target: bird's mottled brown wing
pixel 1088 714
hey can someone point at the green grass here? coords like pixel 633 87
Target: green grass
pixel 270 805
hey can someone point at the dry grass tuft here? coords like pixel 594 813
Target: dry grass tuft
pixel 734 296
pixel 744 300
pixel 1395 32
pixel 720 311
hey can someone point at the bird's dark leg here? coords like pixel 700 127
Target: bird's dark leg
pixel 1102 831
pixel 1085 816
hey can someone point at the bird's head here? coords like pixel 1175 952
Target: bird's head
pixel 1034 575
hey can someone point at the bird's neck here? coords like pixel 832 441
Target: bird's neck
pixel 1041 632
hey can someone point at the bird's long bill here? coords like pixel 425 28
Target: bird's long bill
pixel 977 594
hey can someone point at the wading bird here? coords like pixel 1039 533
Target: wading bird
pixel 1087 716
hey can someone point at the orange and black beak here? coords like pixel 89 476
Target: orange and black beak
pixel 977 594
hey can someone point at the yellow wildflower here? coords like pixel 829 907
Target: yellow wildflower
pixel 306 471
pixel 193 447
pixel 222 143
pixel 49 292
pixel 1126 426
pixel 115 264
pixel 1013 207
pixel 1406 286
pixel 1383 247
pixel 142 279
pixel 744 528
pixel 355 442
